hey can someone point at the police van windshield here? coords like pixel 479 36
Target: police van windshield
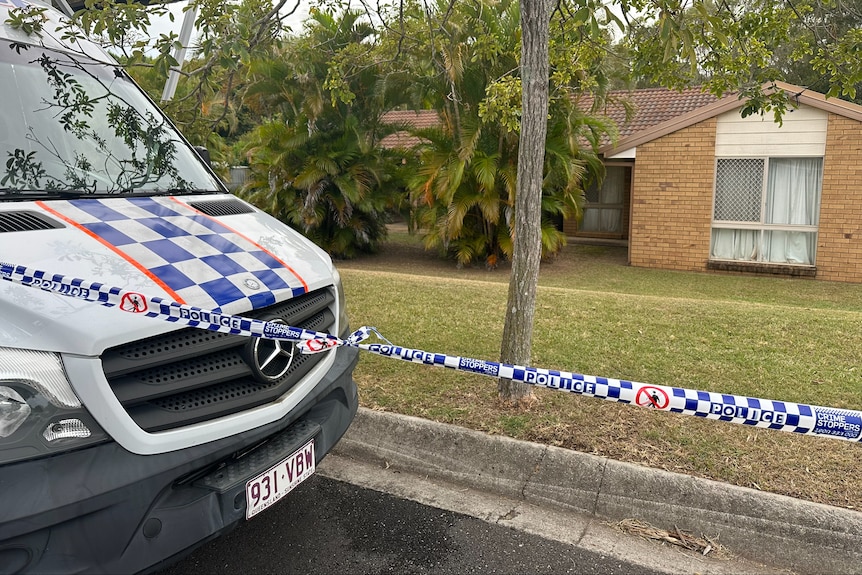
pixel 70 125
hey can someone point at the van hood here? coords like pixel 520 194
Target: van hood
pixel 213 251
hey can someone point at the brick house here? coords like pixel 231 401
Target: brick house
pixel 691 185
pixel 606 211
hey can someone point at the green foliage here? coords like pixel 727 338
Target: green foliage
pixel 227 35
pixel 316 162
pixel 842 64
pixel 464 190
pixel 742 45
pixel 28 19
pixel 329 185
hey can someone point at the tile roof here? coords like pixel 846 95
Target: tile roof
pixel 798 94
pixel 652 106
pixel 657 112
pixel 416 119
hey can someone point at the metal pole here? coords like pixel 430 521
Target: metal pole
pixel 65 8
pixel 180 53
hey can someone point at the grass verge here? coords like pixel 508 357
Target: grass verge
pixel 775 338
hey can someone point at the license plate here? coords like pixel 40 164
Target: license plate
pixel 279 480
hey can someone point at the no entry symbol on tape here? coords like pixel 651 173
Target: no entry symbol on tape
pixel 654 397
pixel 133 302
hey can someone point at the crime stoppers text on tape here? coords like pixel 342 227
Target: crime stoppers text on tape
pixel 845 424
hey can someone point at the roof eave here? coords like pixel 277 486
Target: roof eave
pixel 800 95
pixel 674 124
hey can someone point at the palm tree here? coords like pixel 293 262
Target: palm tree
pixel 464 188
pixel 316 163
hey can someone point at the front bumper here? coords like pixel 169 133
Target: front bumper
pixel 106 510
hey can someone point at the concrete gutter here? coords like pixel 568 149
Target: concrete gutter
pixel 765 528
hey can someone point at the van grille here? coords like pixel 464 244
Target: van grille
pixel 194 375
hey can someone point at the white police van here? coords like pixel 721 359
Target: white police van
pixel 126 441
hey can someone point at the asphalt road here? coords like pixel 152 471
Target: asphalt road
pixel 330 527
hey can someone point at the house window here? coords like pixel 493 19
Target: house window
pixel 603 209
pixel 766 210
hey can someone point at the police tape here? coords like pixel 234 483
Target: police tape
pixel 160 308
pixel 787 416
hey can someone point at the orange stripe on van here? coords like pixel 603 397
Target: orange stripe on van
pixel 174 295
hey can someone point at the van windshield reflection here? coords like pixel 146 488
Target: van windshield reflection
pixel 71 124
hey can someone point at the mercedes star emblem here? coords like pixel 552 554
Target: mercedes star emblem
pixel 271 358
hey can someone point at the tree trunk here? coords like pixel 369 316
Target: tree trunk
pixel 527 251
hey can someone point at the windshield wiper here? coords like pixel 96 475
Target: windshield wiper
pixel 7 194
pixel 18 194
pixel 170 192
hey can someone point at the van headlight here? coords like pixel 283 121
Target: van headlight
pixel 343 322
pixel 40 414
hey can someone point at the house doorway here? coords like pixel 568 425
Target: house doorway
pixel 606 206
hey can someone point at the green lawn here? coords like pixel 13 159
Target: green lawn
pixel 775 338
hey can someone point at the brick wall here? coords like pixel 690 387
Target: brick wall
pixel 839 241
pixel 672 199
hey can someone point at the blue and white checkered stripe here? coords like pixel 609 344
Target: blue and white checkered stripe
pixel 160 308
pixel 779 415
pixel 201 260
pixel 799 418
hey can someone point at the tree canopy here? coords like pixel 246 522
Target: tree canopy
pixel 417 48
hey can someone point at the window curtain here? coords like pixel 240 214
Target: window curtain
pixel 792 197
pixel 739 245
pixel 598 219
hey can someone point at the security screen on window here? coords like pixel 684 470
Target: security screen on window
pixel 767 210
pixel 604 204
